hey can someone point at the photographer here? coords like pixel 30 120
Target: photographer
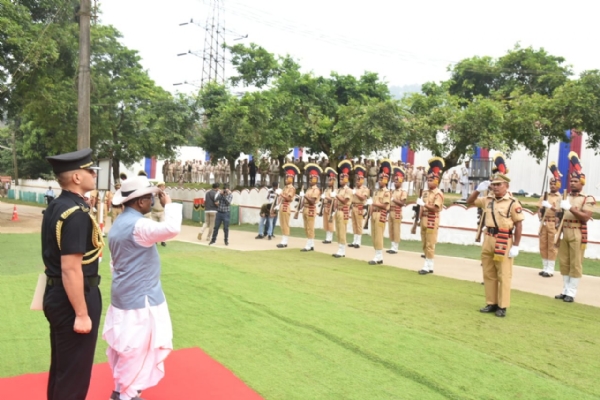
pixel 223 202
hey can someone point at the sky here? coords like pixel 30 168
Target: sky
pixel 405 42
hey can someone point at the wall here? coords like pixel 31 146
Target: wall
pixel 457 224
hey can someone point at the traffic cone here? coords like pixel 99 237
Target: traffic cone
pixel 15 216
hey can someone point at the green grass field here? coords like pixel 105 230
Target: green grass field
pixel 307 328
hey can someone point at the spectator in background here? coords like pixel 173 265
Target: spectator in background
pixel 252 169
pixel 223 202
pixel 266 222
pixel 49 195
pixel 158 211
pixel 210 212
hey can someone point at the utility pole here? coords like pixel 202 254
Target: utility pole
pixel 213 57
pixel 83 103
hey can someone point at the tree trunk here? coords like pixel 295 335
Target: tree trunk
pixel 116 169
pixel 14 156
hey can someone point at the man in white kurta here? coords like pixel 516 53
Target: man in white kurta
pixel 137 327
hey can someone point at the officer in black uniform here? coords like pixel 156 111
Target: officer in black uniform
pixel 71 244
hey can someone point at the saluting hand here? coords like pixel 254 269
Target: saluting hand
pixel 82 324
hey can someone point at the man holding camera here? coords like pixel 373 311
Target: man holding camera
pixel 223 202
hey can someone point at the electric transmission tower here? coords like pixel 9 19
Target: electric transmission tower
pixel 213 56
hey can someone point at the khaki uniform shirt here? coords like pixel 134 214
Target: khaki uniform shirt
pixel 382 196
pixel 288 190
pixel 583 203
pixel 396 210
pixel 501 211
pixel 313 193
pixel 363 191
pixel 554 199
pixel 433 197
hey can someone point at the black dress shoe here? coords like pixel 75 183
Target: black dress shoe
pixel 391 251
pixel 489 308
pixel 422 255
pixel 226 243
pixel 423 272
pixel 281 246
pixel 568 299
pixel 373 262
pixel 311 249
pixel 547 275
pixel 211 242
pixel 163 244
pixel 338 255
pixel 270 237
pixel 501 312
pixel 380 262
pixel 541 273
pixel 560 296
pixel 115 396
pixel 259 237
pixel 357 246
pixel 351 245
pixel 326 241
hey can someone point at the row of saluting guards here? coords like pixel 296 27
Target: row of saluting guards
pixel 564 219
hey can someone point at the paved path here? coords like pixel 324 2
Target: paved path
pixel 524 278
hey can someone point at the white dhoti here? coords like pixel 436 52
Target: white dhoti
pixel 139 341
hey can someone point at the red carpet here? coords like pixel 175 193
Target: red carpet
pixel 190 374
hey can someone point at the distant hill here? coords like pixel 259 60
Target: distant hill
pixel 399 91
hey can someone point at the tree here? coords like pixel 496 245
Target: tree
pixel 504 103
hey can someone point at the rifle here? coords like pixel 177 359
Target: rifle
pixel 480 222
pixel 417 216
pixel 367 216
pixel 300 207
pixel 334 207
pixel 322 207
pixel 560 216
pixel 273 204
pixel 542 212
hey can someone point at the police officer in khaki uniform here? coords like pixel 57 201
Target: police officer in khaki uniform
pixel 327 198
pixel 431 204
pixel 286 197
pixel 503 218
pixel 71 245
pixel 311 198
pixel 157 211
pixel 343 197
pixel 547 212
pixel 360 195
pixel 397 202
pixel 380 204
pixel 578 211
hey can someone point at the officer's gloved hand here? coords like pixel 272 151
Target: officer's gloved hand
pixel 483 186
pixel 565 205
pixel 276 208
pixel 278 191
pixel 301 194
pixel 514 251
pixel 323 196
pixel 420 202
pixel 546 204
pixel 353 191
pixel 332 194
pixel 369 202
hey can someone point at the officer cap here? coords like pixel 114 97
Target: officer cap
pixel 80 159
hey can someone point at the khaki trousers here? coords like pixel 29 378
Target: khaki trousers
pixel 570 254
pixel 497 275
pixel 357 219
pixel 341 226
pixel 115 212
pixel 394 229
pixel 377 228
pixel 309 223
pixel 547 248
pixel 284 219
pixel 428 239
pixel 209 224
pixel 158 216
pixel 329 227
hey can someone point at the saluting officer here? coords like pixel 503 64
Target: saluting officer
pixel 503 225
pixel 548 220
pixel 343 196
pixel 431 204
pixel 398 200
pixel 311 198
pixel 71 244
pixel 327 198
pixel 578 211
pixel 380 204
pixel 360 195
pixel 285 206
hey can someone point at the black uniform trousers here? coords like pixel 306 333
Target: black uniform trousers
pixel 72 354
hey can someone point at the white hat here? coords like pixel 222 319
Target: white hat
pixel 133 188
